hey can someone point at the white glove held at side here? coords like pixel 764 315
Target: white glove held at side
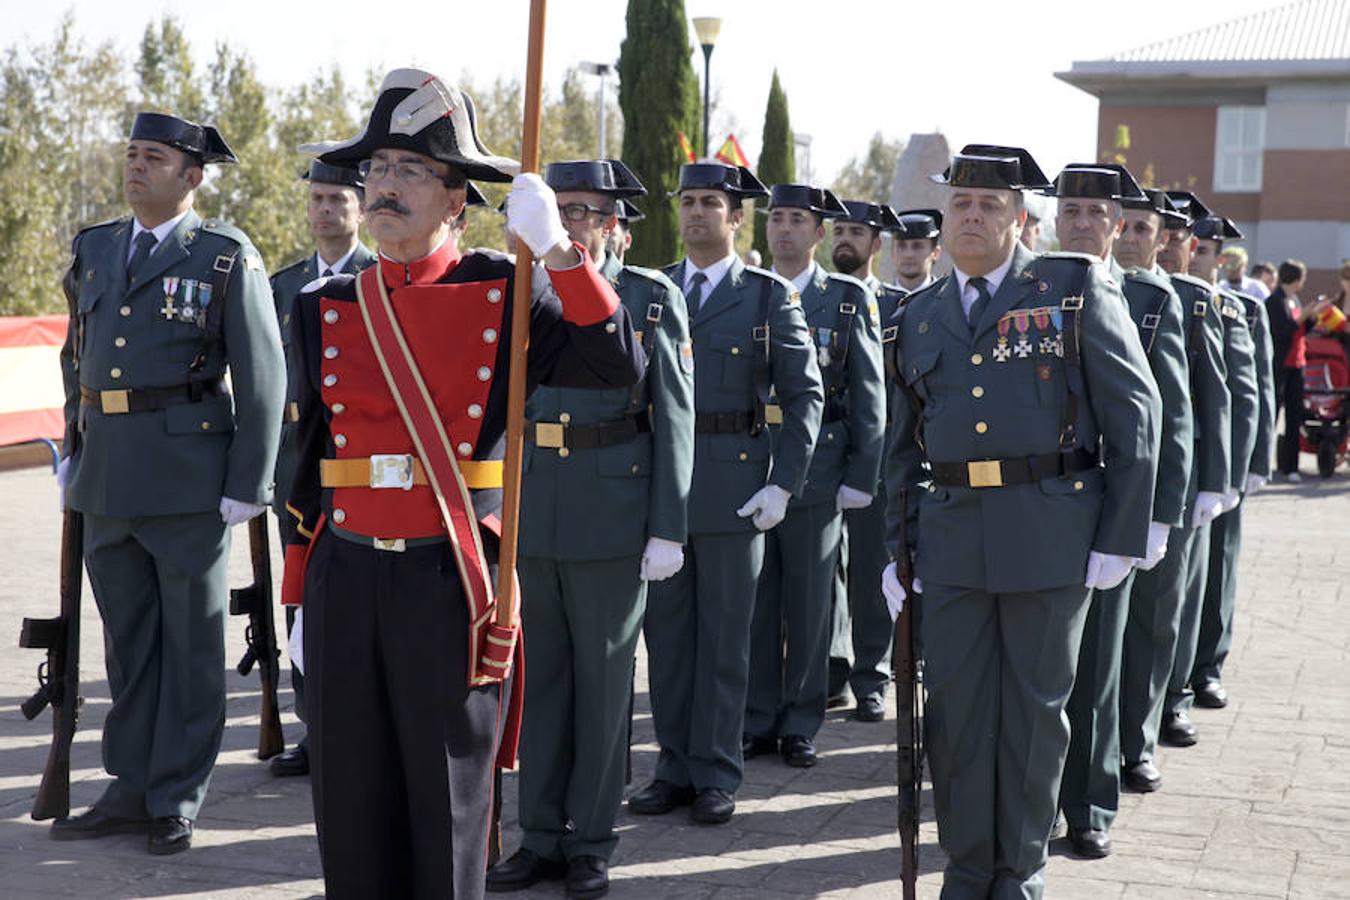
pixel 532 214
pixel 661 559
pixel 1106 570
pixel 767 507
pixel 295 644
pixel 1255 483
pixel 233 512
pixel 62 473
pixel 1158 534
pixel 894 591
pixel 1231 500
pixel 851 498
pixel 1207 506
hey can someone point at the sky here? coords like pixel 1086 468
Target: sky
pixel 978 71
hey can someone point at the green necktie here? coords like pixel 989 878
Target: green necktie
pixel 981 287
pixel 145 242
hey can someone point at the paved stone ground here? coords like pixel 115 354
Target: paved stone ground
pixel 1259 809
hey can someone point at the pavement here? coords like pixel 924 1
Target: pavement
pixel 1260 808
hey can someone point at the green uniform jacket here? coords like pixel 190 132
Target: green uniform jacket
pixel 730 468
pixel 848 351
pixel 1243 385
pixel 184 458
pixel 889 299
pixel 603 503
pixel 286 284
pixel 1034 536
pixel 1258 321
pixel 1156 310
pixel 1211 400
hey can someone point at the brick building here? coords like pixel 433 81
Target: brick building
pixel 1251 114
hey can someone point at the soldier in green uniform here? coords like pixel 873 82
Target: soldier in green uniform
pixel 860 649
pixel 1029 411
pixel 1176 728
pixel 333 210
pixel 1090 214
pixel 162 458
pixel 1156 601
pixel 607 476
pixel 790 629
pixel 916 246
pixel 750 337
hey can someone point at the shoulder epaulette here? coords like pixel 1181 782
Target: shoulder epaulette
pixel 649 274
pixel 847 279
pixel 299 263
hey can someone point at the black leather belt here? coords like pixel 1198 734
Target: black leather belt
pixel 557 435
pixel 987 473
pixel 134 400
pixel 724 423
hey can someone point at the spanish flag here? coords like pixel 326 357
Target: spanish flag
pixel 731 153
pixel 687 150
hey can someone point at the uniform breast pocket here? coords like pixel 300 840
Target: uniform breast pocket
pixel 735 358
pixel 1049 377
pixel 180 341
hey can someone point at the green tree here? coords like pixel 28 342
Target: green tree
pixel 777 162
pixel 868 177
pixel 659 98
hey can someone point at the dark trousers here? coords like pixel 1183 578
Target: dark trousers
pixel 1216 616
pixel 1180 696
pixel 1289 396
pixel 401 748
pixel 870 622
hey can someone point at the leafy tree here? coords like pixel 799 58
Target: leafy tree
pixel 868 177
pixel 777 161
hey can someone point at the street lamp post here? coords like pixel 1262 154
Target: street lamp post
pixel 707 28
pixel 602 70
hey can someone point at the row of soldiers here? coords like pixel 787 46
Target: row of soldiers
pixel 1065 428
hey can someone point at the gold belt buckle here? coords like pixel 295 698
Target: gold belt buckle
pixel 549 434
pixel 114 402
pixel 393 545
pixel 391 470
pixel 773 414
pixel 985 473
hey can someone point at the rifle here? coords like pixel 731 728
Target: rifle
pixel 260 637
pixel 908 717
pixel 59 675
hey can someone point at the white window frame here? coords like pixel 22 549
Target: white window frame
pixel 1239 148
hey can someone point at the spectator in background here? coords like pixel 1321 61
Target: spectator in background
pixel 1031 229
pixel 1264 272
pixel 1288 322
pixel 1232 263
pixel 1342 300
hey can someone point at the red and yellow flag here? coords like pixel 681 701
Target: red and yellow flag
pixel 731 153
pixel 685 148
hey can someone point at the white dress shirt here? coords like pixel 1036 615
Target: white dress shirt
pixel 969 295
pixel 160 231
pixel 714 273
pixel 336 267
pixel 803 277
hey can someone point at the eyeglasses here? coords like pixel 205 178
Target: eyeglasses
pixel 408 173
pixel 577 212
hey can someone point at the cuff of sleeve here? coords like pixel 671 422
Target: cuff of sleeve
pixel 293 577
pixel 587 296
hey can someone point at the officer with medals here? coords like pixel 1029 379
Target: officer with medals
pixel 915 248
pixel 623 458
pixel 1029 411
pixel 162 458
pixel 860 648
pixel 1088 219
pixel 790 629
pixel 621 238
pixel 1176 728
pixel 750 338
pixel 333 210
pixel 1156 600
pixel 402 393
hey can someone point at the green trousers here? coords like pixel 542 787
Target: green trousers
pixel 841 629
pixel 697 630
pixel 790 628
pixel 1180 697
pixel 581 623
pixel 870 623
pixel 1216 616
pixel 1089 793
pixel 998 669
pixel 160 584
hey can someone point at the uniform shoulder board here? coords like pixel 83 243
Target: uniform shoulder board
pixel 296 264
pixel 89 229
pixel 1145 277
pixel 847 279
pixel 1185 278
pixel 249 255
pixel 655 275
pixel 928 290
pixel 793 297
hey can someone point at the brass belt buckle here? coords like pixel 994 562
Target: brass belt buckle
pixel 985 473
pixel 550 434
pixel 391 470
pixel 393 545
pixel 773 414
pixel 114 402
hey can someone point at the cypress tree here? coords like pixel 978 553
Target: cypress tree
pixel 659 97
pixel 777 164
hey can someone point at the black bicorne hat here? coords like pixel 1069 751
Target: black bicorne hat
pixel 738 181
pixel 994 166
pixel 322 173
pixel 627 213
pixel 863 212
pixel 601 176
pixel 202 142
pixel 1098 182
pixel 803 196
pixel 918 223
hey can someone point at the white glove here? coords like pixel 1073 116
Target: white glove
pixel 1255 483
pixel 1158 534
pixel 894 591
pixel 661 559
pixel 767 506
pixel 1106 570
pixel 851 498
pixel 295 644
pixel 1231 499
pixel 532 214
pixel 233 512
pixel 62 473
pixel 1208 505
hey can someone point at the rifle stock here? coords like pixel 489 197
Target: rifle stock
pixel 908 717
pixel 255 601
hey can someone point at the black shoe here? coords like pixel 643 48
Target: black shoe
pixel 1211 695
pixel 1089 843
pixel 870 709
pixel 836 700
pixel 798 751
pixel 170 834
pixel 753 745
pixel 587 877
pixel 524 868
pixel 293 762
pixel 659 798
pixel 1178 731
pixel 1143 777
pixel 713 806
pixel 94 824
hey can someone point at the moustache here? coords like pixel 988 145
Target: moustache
pixel 388 203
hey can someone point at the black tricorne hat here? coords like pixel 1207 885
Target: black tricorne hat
pixel 1154 200
pixel 418 112
pixel 918 223
pixel 202 142
pixel 803 196
pixel 323 173
pixel 993 166
pixel 1098 182
pixel 627 213
pixel 1216 228
pixel 1189 207
pixel 601 176
pixel 863 212
pixel 474 197
pixel 738 181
